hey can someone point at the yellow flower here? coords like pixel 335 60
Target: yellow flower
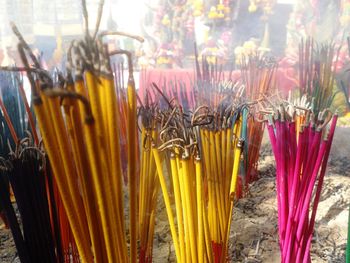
pixel 163 60
pixel 166 20
pixel 249 47
pixel 198 5
pixel 197 13
pixel 198 8
pixel 252 7
pixel 212 13
pixel 220 7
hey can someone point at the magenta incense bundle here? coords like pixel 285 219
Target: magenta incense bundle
pixel 301 144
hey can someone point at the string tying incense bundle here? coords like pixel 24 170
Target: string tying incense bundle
pixel 301 161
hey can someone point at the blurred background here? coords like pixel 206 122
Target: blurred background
pixel 223 29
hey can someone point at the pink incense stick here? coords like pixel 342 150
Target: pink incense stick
pixel 297 167
pixel 306 202
pixel 319 187
pixel 305 178
pixel 296 180
pixel 311 134
pixel 296 209
pixel 282 177
pixel 277 158
pixel 292 155
pixel 272 137
pixel 312 155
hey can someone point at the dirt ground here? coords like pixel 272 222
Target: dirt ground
pixel 254 236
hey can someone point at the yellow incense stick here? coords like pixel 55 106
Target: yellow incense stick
pixel 48 135
pixel 201 244
pixel 132 169
pixel 167 202
pixel 178 204
pixel 189 204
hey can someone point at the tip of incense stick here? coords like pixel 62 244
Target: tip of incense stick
pixel 13 27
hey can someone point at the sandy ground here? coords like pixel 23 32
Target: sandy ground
pixel 254 235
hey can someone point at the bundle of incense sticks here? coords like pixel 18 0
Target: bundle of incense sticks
pixel 121 89
pixel 83 145
pixel 23 165
pixel 316 73
pixel 15 109
pixel 189 239
pixel 64 240
pixel 28 182
pixel 6 83
pixel 149 181
pixel 180 89
pixel 301 159
pixel 201 154
pixel 212 84
pixel 258 75
pixel 13 112
pixel 15 125
pixel 258 79
pixel 221 146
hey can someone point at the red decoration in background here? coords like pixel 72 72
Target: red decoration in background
pixel 167 78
